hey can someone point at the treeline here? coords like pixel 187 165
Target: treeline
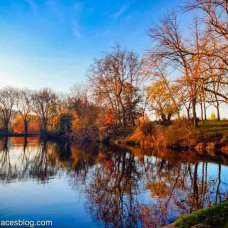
pixel 46 109
pixel 183 74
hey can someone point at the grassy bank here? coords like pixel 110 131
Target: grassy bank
pixel 181 134
pixel 215 216
pixel 211 128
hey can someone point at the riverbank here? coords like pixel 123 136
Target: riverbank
pixel 210 136
pixel 12 134
pixel 215 216
pixel 47 136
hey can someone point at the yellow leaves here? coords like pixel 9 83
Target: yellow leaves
pixel 162 96
pixel 159 88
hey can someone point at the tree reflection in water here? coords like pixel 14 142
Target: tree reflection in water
pixel 27 160
pixel 113 189
pixel 120 180
pixel 124 187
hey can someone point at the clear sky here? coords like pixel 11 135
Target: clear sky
pixel 51 43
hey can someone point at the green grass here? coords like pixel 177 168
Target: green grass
pixel 212 128
pixel 214 125
pixel 215 216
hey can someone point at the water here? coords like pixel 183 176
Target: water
pixel 98 186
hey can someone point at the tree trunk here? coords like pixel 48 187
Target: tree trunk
pixel 163 117
pixel 123 114
pixel 5 144
pixel 188 113
pixel 205 110
pixel 217 108
pixel 194 112
pixel 169 117
pixel 6 128
pixel 132 120
pixel 25 126
pixel 43 129
pixel 201 109
pixel 124 120
pixel 204 106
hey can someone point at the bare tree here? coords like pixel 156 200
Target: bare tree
pixel 115 80
pixel 7 103
pixel 78 100
pixel 84 112
pixel 45 107
pixel 216 14
pixel 24 103
pixel 215 18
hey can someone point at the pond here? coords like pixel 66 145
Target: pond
pixel 98 186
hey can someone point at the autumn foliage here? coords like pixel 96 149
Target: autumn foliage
pixel 18 125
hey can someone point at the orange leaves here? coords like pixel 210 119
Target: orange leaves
pixel 106 118
pixel 109 116
pixel 18 125
pixel 158 189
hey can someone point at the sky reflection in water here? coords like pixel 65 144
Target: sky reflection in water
pixel 98 186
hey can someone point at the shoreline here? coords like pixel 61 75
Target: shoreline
pixel 3 135
pixel 213 216
pixel 212 146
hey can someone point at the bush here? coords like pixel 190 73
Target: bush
pixel 215 216
pixel 143 131
pixel 180 133
pixel 148 129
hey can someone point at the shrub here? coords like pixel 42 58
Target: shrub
pixel 179 134
pixel 147 129
pixel 143 131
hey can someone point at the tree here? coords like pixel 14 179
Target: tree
pixel 161 100
pixel 170 45
pixel 65 123
pixel 215 18
pixel 114 80
pixel 19 127
pixel 216 15
pixel 212 117
pixel 7 103
pixel 78 101
pixel 45 107
pixel 163 93
pixel 24 103
pixel 84 111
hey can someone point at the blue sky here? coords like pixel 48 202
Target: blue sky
pixel 51 43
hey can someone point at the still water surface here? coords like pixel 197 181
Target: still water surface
pixel 98 186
